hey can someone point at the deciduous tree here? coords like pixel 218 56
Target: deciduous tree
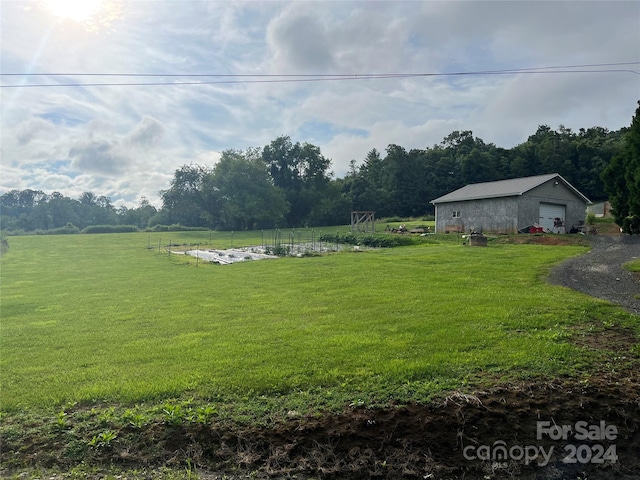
pixel 244 193
pixel 302 172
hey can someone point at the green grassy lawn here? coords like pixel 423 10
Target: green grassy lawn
pixel 633 266
pixel 112 318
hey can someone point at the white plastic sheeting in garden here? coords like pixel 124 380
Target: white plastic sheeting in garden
pixel 232 255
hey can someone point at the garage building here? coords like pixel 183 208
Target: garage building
pixel 507 206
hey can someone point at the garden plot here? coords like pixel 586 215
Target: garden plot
pixel 235 255
pixel 232 255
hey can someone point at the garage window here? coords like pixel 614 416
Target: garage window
pixel 455 214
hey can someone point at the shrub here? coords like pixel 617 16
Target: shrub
pixel 182 228
pixel 176 227
pixel 110 229
pixel 375 241
pixel 280 250
pixel 68 229
pixel 631 225
pixel 158 228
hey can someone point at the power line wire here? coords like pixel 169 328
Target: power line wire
pixel 294 78
pixel 591 65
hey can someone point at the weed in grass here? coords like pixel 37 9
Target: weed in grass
pixel 107 416
pixel 204 414
pixel 136 419
pixel 173 414
pixel 61 419
pixel 103 439
pixel 190 471
pixel 84 472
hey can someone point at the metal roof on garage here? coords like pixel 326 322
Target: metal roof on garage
pixel 503 188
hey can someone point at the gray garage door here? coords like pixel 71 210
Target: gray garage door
pixel 548 213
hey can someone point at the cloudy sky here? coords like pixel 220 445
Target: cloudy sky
pixel 292 68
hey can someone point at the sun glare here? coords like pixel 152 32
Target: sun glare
pixel 77 10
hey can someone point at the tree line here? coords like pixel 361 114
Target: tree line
pixel 33 210
pixel 287 184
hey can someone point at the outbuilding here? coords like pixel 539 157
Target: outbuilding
pixel 509 206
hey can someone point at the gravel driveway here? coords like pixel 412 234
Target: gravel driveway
pixel 599 272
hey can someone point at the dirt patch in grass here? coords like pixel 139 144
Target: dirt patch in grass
pixel 602 338
pixel 546 239
pixel 445 439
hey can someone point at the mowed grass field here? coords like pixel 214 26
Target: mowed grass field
pixel 113 318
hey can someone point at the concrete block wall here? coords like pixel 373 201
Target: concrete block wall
pixel 509 214
pixel 497 215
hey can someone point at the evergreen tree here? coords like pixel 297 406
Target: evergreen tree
pixel 622 179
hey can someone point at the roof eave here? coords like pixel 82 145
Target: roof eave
pixel 467 199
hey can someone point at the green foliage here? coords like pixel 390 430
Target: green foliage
pixel 110 229
pixel 68 229
pixel 622 179
pixel 31 210
pixel 82 471
pixel 633 266
pixel 185 201
pixel 244 194
pixel 301 173
pixel 279 250
pixel 631 224
pixel 204 413
pixel 61 419
pixel 176 227
pixel 173 414
pixel 103 440
pixel 54 231
pixel 135 418
pixel 371 240
pixel 140 216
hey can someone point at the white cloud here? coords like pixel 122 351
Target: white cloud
pixel 33 129
pixel 126 141
pixel 99 157
pixel 146 134
pixel 300 44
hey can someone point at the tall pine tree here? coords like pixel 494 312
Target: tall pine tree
pixel 622 179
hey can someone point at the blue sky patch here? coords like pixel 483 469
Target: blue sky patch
pixel 61 117
pixel 314 131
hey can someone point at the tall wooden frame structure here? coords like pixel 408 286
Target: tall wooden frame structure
pixel 363 221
